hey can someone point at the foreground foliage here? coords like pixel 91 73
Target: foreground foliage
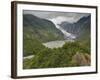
pixel 68 55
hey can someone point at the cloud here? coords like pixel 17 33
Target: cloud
pixel 59 17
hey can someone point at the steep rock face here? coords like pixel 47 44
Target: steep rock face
pixel 48 30
pixel 78 28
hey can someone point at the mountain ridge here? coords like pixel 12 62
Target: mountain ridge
pixel 77 27
pixel 41 28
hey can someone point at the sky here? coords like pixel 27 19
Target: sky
pixel 70 17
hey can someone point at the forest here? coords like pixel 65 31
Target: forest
pixel 70 55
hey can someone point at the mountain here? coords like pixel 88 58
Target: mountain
pixel 78 28
pixel 37 31
pixel 81 29
pixel 42 29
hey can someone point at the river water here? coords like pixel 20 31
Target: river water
pixel 51 44
pixel 56 44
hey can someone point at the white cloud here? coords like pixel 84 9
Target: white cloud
pixel 58 17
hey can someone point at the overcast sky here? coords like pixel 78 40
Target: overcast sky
pixel 59 16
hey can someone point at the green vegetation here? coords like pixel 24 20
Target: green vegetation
pixel 41 29
pixel 32 46
pixel 59 57
pixel 37 31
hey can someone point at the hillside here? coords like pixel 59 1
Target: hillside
pixel 36 31
pixel 42 29
pixel 79 28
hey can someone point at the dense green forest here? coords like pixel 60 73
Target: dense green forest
pixel 71 54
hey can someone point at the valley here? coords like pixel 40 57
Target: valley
pixel 49 43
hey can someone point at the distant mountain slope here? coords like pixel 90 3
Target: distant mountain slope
pixel 80 28
pixel 37 31
pixel 42 29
